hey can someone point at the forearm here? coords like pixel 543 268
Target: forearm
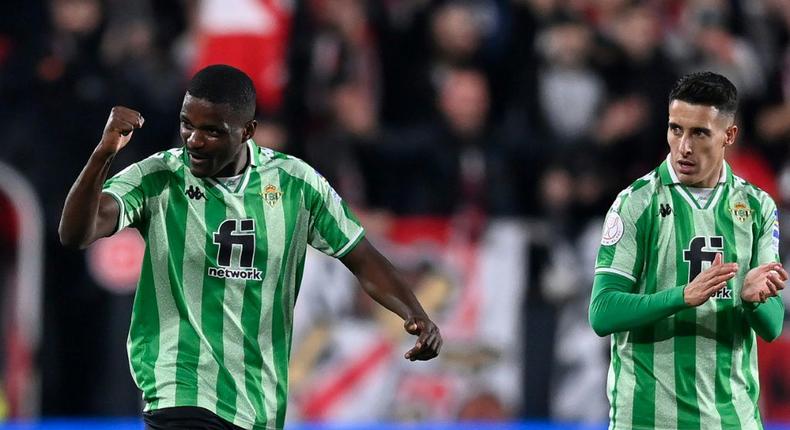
pixel 766 319
pixel 81 209
pixel 381 281
pixel 614 309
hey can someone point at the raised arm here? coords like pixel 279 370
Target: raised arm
pixel 381 281
pixel 615 308
pixel 88 214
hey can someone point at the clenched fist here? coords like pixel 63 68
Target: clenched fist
pixel 119 128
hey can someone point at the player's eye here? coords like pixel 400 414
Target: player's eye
pixel 186 125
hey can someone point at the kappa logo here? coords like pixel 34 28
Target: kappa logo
pixel 665 210
pixel 194 193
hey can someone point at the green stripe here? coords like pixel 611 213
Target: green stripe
pixel 685 322
pixel 251 307
pixel 617 365
pixel 725 321
pixel 188 345
pixel 281 331
pixel 212 311
pixel 643 338
pixel 144 332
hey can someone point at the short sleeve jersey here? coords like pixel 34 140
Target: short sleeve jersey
pixel 212 317
pixel 698 367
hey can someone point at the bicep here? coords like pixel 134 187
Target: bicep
pixel 107 219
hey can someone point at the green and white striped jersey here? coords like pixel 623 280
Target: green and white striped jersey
pixel 696 369
pixel 212 317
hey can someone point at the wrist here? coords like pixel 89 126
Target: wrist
pixel 103 153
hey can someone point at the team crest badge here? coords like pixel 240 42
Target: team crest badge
pixel 741 212
pixel 271 195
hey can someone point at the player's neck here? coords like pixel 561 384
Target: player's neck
pixel 236 167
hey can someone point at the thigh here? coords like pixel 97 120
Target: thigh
pixel 185 418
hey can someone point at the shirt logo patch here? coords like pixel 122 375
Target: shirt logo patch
pixel 775 233
pixel 741 211
pixel 271 195
pixel 612 229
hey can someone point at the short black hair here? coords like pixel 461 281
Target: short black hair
pixel 220 83
pixel 708 89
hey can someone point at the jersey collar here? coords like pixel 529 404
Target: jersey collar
pixel 669 177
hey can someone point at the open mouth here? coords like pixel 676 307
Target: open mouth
pixel 686 166
pixel 198 158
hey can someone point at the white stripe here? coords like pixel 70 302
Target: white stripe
pixel 275 240
pixel 350 242
pixel 165 368
pixel 121 209
pixel 193 270
pixel 616 272
pixel 706 366
pixel 626 382
pixel 232 331
pixel 716 196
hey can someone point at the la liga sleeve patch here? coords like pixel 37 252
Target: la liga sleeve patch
pixel 612 229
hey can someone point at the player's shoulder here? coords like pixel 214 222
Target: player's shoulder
pixel 167 160
pixel 638 196
pixel 740 185
pixel 291 165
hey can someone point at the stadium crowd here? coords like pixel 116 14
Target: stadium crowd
pixel 469 111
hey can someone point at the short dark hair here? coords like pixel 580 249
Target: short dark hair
pixel 706 88
pixel 220 83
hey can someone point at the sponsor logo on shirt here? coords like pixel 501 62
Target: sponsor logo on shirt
pixel 240 235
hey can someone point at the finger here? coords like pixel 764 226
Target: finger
pixel 724 277
pixel 710 292
pixel 717 259
pixel 774 283
pixel 781 271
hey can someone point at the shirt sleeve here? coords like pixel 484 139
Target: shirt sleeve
pixel 126 188
pixel 621 251
pixel 334 229
pixel 768 240
pixel 615 308
pixel 767 318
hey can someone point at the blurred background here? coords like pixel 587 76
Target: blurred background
pixel 480 141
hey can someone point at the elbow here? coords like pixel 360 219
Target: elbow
pixel 599 328
pixel 70 240
pixel 772 333
pixel 597 322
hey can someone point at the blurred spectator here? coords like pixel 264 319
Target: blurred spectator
pixel 334 42
pixel 251 35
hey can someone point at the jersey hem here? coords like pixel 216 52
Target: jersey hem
pixel 612 271
pixel 121 209
pixel 350 245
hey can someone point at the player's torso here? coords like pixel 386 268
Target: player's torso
pixel 700 361
pixel 250 232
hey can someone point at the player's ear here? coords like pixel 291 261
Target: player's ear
pixel 249 130
pixel 730 134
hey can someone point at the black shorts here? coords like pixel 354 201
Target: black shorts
pixel 185 418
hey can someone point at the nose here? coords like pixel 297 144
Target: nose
pixel 194 140
pixel 685 145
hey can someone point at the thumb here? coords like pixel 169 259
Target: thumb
pixel 717 259
pixel 412 326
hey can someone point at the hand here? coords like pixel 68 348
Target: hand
pixel 429 340
pixel 119 128
pixel 707 283
pixel 763 282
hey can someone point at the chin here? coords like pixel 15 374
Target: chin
pixel 199 173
